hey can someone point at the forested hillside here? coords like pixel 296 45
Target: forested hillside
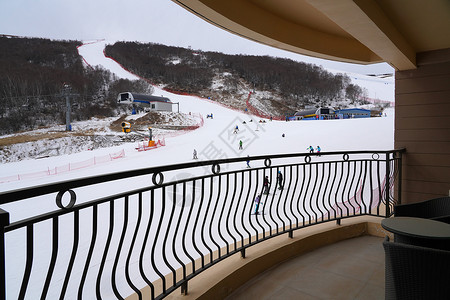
pixel 33 76
pixel 36 75
pixel 293 84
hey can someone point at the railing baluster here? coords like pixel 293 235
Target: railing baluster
pixel 371 186
pixel 202 231
pixel 388 173
pixel 144 245
pixel 306 195
pixel 363 166
pixel 186 225
pixel 133 241
pixel 315 176
pixel 399 165
pixel 214 216
pixel 51 267
pixel 232 202
pixel 291 206
pixel 300 196
pixel 158 230
pixel 278 205
pixel 166 237
pixel 252 204
pixel 197 218
pixel 319 191
pixel 339 207
pixel 106 249
pixel 4 221
pixel 325 189
pixel 353 184
pixel 235 214
pixel 29 263
pixel 204 221
pixel 76 235
pixel 264 206
pixel 333 206
pixel 344 189
pixel 175 235
pixel 224 204
pixel 91 250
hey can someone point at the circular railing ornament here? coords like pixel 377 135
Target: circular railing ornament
pixel 375 156
pixel 215 168
pixel 160 179
pixel 267 162
pixel 307 159
pixel 59 196
pixel 345 157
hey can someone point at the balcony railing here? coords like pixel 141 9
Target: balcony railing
pixel 113 235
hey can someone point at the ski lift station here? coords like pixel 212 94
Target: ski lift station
pixel 314 113
pixel 326 113
pixel 146 101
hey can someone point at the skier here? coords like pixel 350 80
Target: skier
pixel 266 185
pixel 257 203
pixel 311 149
pixel 318 150
pixel 248 162
pixel 236 129
pixel 195 154
pixel 240 145
pixel 280 180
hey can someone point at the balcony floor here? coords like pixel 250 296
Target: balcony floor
pixel 350 269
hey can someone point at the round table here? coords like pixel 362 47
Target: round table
pixel 419 232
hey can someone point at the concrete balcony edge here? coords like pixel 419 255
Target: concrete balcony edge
pixel 222 279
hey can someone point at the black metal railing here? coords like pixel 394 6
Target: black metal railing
pixel 134 232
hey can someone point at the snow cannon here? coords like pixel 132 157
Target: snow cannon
pixel 151 143
pixel 126 127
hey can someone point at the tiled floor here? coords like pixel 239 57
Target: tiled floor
pixel 351 269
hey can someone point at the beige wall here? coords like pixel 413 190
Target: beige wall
pixel 422 126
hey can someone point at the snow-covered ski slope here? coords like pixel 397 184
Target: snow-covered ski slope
pixel 215 139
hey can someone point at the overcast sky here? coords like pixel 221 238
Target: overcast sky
pixel 157 21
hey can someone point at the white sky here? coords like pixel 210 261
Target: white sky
pixel 157 21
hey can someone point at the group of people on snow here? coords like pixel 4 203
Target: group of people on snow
pixel 266 184
pixel 311 149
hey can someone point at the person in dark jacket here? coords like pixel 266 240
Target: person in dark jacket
pixel 257 203
pixel 266 185
pixel 280 180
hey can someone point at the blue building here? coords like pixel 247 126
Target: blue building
pixel 349 113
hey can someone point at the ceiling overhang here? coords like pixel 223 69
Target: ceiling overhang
pixel 356 31
pixel 368 24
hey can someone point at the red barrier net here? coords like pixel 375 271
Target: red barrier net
pixel 65 168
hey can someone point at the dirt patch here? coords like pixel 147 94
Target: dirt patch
pixel 24 138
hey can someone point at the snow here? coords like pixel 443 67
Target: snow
pixel 377 88
pixel 216 134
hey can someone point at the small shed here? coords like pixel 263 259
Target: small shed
pixel 349 113
pixel 147 101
